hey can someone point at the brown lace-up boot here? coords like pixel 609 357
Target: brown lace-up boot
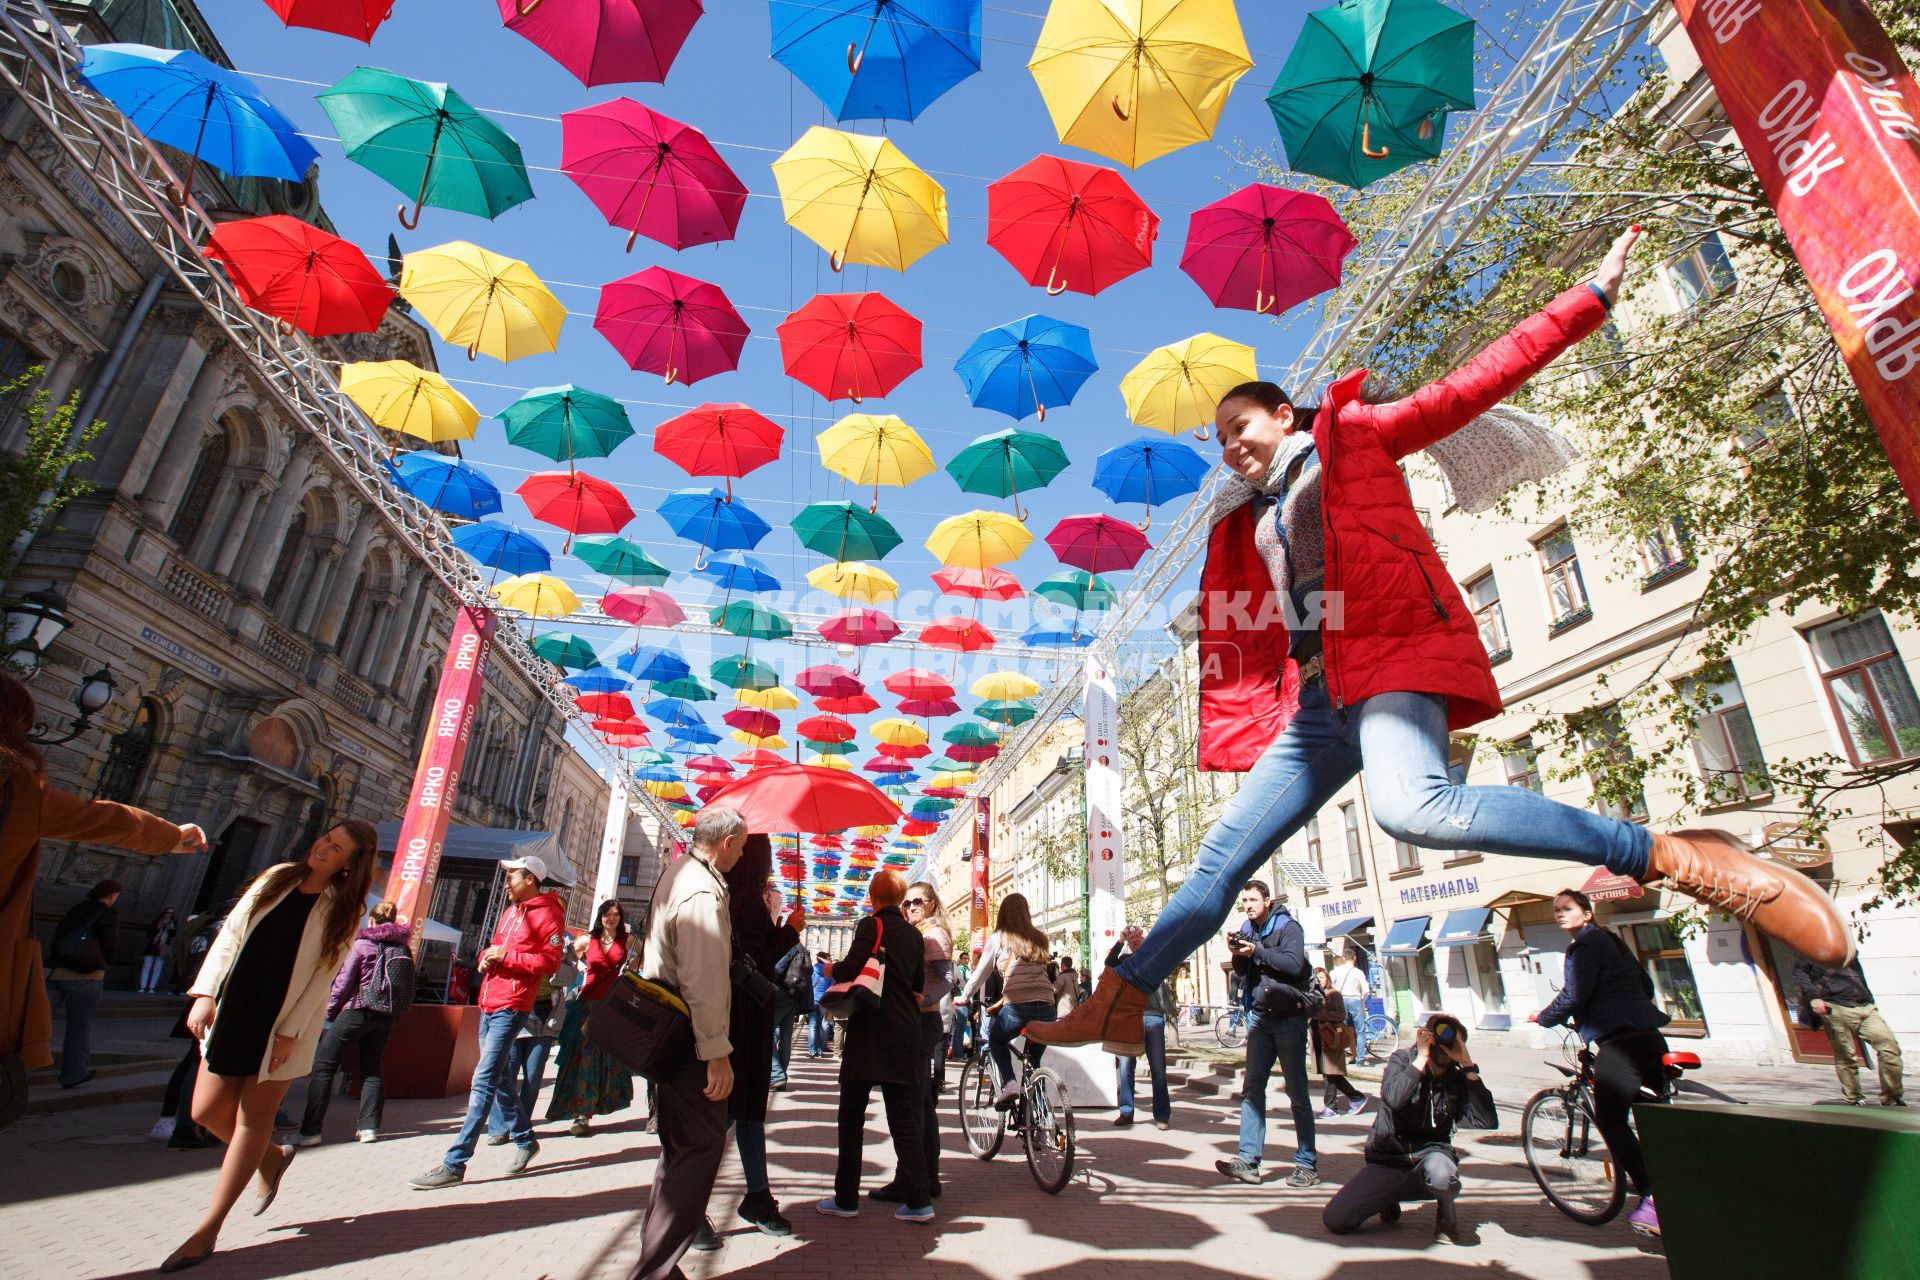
pixel 1112 1017
pixel 1780 902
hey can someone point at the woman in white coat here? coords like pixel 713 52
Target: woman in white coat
pixel 259 1007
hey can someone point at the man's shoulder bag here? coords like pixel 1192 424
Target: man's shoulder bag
pixel 645 1025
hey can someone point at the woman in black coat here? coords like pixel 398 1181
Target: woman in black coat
pixel 758 940
pixel 883 1048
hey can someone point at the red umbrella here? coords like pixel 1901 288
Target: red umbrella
pixel 643 607
pixel 619 724
pixel 916 683
pixel 300 275
pixel 663 322
pixel 1097 544
pixel 928 709
pixel 859 627
pixel 714 779
pixel 711 764
pixel 828 681
pixel 825 729
pixel 826 842
pixel 651 174
pixel 1266 249
pixel 980 584
pixel 760 758
pixel 798 797
pixel 854 705
pixel 918 828
pixel 751 720
pixel 1068 225
pixel 624 740
pixel 614 706
pixel 576 502
pixel 606 41
pixel 356 19
pixel 973 755
pixel 915 752
pixel 963 635
pixel 718 440
pixel 944 793
pixel 850 345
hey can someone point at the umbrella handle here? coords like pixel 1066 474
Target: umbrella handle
pixel 1123 112
pixel 671 375
pixel 632 236
pixel 473 352
pixel 524 7
pixel 1055 290
pixel 409 223
pixel 1203 433
pixel 285 327
pixel 855 56
pixel 1264 307
pixel 1366 144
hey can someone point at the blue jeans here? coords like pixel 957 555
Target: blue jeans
pixel 79 997
pixel 1006 1024
pixel 816 1033
pixel 497 1030
pixel 1269 1040
pixel 783 1018
pixel 1402 737
pixel 526 1076
pixel 1154 1031
pixel 751 1137
pixel 1361 1051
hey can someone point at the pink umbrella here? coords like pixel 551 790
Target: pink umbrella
pixel 928 709
pixel 880 764
pixel 1266 249
pixel 981 584
pixel 761 724
pixel 663 322
pixel 859 626
pixel 642 607
pixel 829 681
pixel 651 174
pixel 711 764
pixel 1097 544
pixel 916 683
pixel 605 41
pixel 973 755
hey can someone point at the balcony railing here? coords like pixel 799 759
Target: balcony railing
pixel 198 591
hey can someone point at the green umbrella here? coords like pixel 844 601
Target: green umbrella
pixel 971 733
pixel 1008 462
pixel 564 423
pixel 829 748
pixel 1008 713
pixel 751 620
pixel 935 806
pixel 426 139
pixel 565 651
pixel 845 532
pixel 1078 588
pixel 742 672
pixel 691 688
pixel 651 755
pixel 1368 85
pixel 943 764
pixel 621 558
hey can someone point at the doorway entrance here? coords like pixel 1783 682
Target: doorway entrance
pixel 227 868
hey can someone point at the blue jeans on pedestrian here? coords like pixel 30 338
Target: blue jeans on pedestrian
pixel 1006 1024
pixel 1402 738
pixel 816 1033
pixel 750 1136
pixel 1282 1040
pixel 784 1015
pixel 526 1076
pixel 79 997
pixel 1154 1032
pixel 1362 1052
pixel 497 1030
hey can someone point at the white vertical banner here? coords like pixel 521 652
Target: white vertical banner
pixel 1106 868
pixel 613 845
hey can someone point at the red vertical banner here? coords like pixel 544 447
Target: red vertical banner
pixel 1830 119
pixel 982 855
pixel 423 831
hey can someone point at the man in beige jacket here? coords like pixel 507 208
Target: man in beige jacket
pixel 690 947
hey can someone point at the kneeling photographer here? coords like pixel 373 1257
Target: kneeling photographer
pixel 1270 956
pixel 1425 1092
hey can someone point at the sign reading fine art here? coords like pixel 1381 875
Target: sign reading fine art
pixel 1106 868
pixel 613 845
pixel 1831 122
pixel 977 919
pixel 423 832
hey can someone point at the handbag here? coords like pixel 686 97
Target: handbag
pixel 862 991
pixel 645 1025
pixel 80 949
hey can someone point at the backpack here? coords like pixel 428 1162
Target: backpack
pixel 389 989
pixel 796 978
pixel 80 949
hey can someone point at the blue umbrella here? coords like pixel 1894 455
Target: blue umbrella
pixel 1053 638
pixel 877 59
pixel 692 733
pixel 658 773
pixel 653 664
pixel 1027 366
pixel 502 547
pixel 737 572
pixel 446 484
pixel 674 711
pixel 1149 471
pixel 707 517
pixel 598 680
pixel 179 98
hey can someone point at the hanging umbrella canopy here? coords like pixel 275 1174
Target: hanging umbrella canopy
pixel 619 732
pixel 1023 367
pixel 687 688
pixel 398 395
pixel 653 663
pixel 663 322
pixel 978 539
pixel 854 580
pixel 756 758
pixel 735 571
pixel 1368 85
pixel 567 422
pixel 606 41
pixel 849 345
pixel 651 174
pixel 828 681
pixel 652 755
pixel 870 449
pixel 1076 587
pixel 1008 712
pixel 975 755
pixel 1005 686
pixel 1067 225
pixel 300 275
pixel 1150 471
pixel 576 502
pixel 860 199
pixel 859 627
pixel 690 734
pixel 609 703
pixel 741 673
pixel 1178 386
pixel 711 764
pixel 448 485
pixel 774 698
pixel 1136 79
pixel 482 301
pixel 751 620
pixel 857 704
pixel 540 595
pixel 830 729
pixel 621 559
pixel 642 607
pixel 900 733
pixel 963 635
pixel 916 683
pixel 824 761
pixel 709 518
pixel 794 797
pixel 1003 463
pixel 842 531
pixel 503 548
pixel 912 828
pixel 746 719
pixel 883 764
pixel 925 709
pixel 1266 249
pixel 877 59
pixel 674 790
pixel 1098 544
pixel 355 19
pixel 565 651
pixel 971 733
pixel 829 748
pixel 597 679
pixel 428 142
pixel 1041 637
pixel 770 743
pixel 674 711
pixel 718 440
pixel 978 584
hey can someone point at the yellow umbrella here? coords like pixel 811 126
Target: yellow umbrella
pixel 684 817
pixel 956 778
pixel 978 539
pixel 830 762
pixel 860 199
pixel 874 449
pixel 772 742
pixel 401 396
pixel 899 733
pixel 874 832
pixel 482 301
pixel 777 698
pixel 854 580
pixel 1180 385
pixel 666 790
pixel 1005 686
pixel 539 594
pixel 1135 79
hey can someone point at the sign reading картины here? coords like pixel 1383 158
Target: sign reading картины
pixel 1831 121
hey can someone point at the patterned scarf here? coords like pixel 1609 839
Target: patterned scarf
pixel 1288 532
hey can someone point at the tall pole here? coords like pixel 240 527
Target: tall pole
pixel 613 845
pixel 1086 879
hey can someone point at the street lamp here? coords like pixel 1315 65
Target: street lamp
pixel 32 624
pixel 91 698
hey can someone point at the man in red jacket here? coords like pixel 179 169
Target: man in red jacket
pixel 1332 637
pixel 526 948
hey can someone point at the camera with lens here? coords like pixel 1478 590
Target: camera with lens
pixel 749 979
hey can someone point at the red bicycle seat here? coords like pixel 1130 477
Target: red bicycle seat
pixel 1681 1061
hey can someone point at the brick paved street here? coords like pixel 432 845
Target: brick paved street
pixel 88 1194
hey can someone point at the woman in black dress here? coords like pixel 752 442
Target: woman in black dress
pixel 761 940
pixel 259 1006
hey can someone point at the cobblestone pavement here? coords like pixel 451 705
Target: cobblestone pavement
pixel 89 1194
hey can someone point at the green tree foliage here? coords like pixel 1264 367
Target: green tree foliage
pixel 50 462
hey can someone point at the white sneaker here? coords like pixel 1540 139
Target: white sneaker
pixel 1008 1093
pixel 162 1128
pixel 579 1129
pixel 307 1139
pixel 368 1135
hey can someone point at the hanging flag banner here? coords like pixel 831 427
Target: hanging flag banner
pixel 1106 868
pixel 613 845
pixel 436 779
pixel 982 851
pixel 1830 119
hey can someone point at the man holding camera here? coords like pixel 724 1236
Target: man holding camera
pixel 1270 955
pixel 1425 1092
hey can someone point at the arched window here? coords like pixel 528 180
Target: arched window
pixel 198 498
pixel 130 755
pixel 278 592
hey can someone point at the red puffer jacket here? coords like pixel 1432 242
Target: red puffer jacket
pixel 532 933
pixel 1401 624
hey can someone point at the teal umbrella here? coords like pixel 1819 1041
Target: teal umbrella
pixel 621 558
pixel 751 620
pixel 567 422
pixel 843 531
pixel 1368 85
pixel 1078 588
pixel 1008 462
pixel 829 748
pixel 687 688
pixel 742 672
pixel 969 733
pixel 566 651
pixel 1009 713
pixel 426 139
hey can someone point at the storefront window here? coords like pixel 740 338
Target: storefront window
pixel 1665 960
pixel 1413 976
pixel 1484 967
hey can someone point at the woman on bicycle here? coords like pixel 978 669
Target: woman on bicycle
pixel 1608 998
pixel 1018 952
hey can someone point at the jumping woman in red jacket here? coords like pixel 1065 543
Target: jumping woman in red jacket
pixel 1392 667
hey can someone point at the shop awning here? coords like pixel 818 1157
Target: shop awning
pixel 1463 928
pixel 1348 925
pixel 1407 936
pixel 493 844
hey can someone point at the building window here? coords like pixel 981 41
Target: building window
pixel 1350 823
pixel 1483 596
pixel 1566 590
pixel 1522 764
pixel 278 594
pixel 1313 843
pixel 1868 685
pixel 1772 413
pixel 128 756
pixel 1725 744
pixel 1604 734
pixel 629 872
pixel 1665 960
pixel 1606 354
pixel 198 498
pixel 1665 553
pixel 1405 856
pixel 1701 274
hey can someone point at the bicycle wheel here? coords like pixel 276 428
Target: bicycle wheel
pixel 981 1126
pixel 1569 1158
pixel 1229 1031
pixel 1378 1027
pixel 1049 1130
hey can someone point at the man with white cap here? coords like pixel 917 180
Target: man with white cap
pixel 526 948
